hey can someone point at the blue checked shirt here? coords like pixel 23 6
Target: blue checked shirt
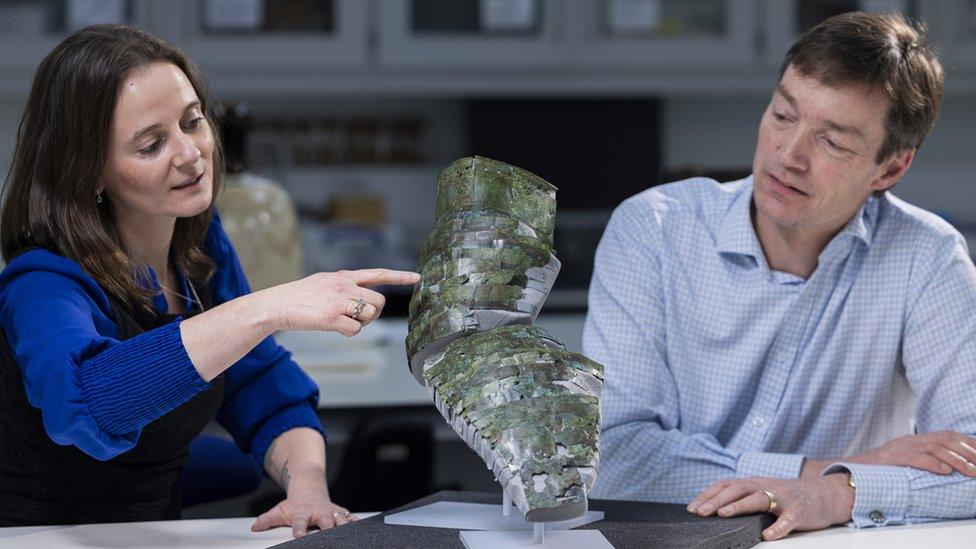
pixel 718 367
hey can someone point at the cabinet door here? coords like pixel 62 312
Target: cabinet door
pixel 786 20
pixel 287 38
pixel 666 33
pixel 470 33
pixel 29 29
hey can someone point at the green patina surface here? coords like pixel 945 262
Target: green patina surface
pixel 527 405
pixel 532 400
pixel 514 258
pixel 482 185
pixel 480 246
pixel 437 322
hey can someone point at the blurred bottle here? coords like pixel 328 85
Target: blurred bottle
pixel 257 213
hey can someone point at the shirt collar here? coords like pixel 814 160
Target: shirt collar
pixel 736 233
pixel 861 226
pixel 738 236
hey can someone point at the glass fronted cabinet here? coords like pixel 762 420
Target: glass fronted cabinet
pixel 469 33
pixel 682 33
pixel 284 36
pixel 788 19
pixel 29 29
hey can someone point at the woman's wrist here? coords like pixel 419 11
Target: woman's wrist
pixel 262 307
pixel 306 479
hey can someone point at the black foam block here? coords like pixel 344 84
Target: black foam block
pixel 626 524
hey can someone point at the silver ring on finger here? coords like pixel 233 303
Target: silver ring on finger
pixel 358 309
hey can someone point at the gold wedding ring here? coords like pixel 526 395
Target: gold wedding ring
pixel 773 502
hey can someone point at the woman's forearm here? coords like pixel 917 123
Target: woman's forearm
pixel 296 461
pixel 221 336
pixel 331 302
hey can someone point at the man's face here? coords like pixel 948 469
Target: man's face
pixel 815 158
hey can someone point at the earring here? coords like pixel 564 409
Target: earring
pixel 98 198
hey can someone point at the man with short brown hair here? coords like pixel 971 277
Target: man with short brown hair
pixel 801 341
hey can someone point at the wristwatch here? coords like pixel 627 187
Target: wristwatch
pixel 850 480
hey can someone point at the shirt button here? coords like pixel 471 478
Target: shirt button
pixel 877 517
pixel 782 357
pixel 758 422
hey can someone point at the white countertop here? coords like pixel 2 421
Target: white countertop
pixel 186 534
pixel 183 534
pixel 934 535
pixel 236 533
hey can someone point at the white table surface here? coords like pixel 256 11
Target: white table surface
pixel 934 535
pixel 236 533
pixel 183 534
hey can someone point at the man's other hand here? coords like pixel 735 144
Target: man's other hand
pixel 802 504
pixel 940 452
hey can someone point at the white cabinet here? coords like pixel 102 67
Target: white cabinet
pixel 316 48
pixel 465 34
pixel 567 35
pixel 264 38
pixel 29 30
pixel 664 33
pixel 785 20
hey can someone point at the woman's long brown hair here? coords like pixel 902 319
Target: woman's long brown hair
pixel 62 145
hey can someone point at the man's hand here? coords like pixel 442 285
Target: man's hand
pixel 940 452
pixel 803 504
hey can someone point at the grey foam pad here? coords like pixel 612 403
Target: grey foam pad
pixel 627 524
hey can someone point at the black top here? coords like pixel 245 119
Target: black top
pixel 626 524
pixel 42 482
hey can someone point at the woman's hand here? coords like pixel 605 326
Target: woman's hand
pixel 302 511
pixel 328 301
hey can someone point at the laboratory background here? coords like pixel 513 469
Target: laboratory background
pixel 338 116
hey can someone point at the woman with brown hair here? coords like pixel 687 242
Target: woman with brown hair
pixel 128 321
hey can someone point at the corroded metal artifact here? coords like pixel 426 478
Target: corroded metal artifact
pixel 526 405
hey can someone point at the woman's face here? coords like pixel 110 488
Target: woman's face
pixel 160 156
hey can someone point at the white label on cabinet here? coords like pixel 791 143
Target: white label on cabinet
pixel 81 13
pixel 506 15
pixel 633 15
pixel 233 14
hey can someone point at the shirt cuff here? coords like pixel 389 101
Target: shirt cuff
pixel 768 464
pixel 125 393
pixel 300 415
pixel 880 495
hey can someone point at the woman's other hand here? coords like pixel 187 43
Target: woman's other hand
pixel 304 511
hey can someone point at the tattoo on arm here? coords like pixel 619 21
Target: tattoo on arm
pixel 268 465
pixel 285 475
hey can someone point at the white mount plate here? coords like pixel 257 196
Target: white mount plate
pixel 479 516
